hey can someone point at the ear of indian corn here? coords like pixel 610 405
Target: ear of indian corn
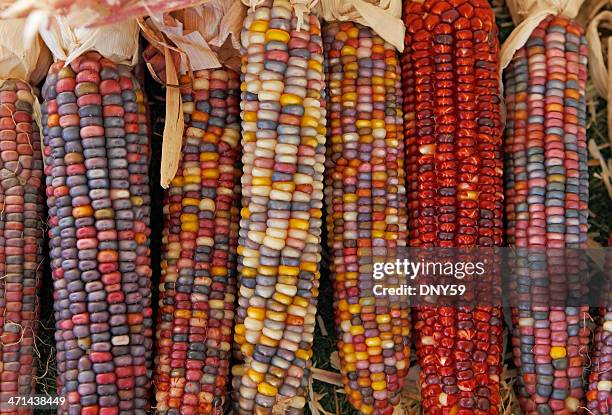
pixel 453 142
pixel 198 285
pixel 547 205
pixel 97 157
pixel 21 238
pixel 283 138
pixel 366 212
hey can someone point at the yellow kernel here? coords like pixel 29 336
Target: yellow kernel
pixel 354 308
pixel 190 226
pixel 349 96
pixel 249 272
pixel 239 329
pixel 347 50
pixel 378 386
pixel 287 270
pixel 189 217
pixel 245 212
pixel 209 156
pixel 189 201
pixel 276 315
pixel 353 32
pixel 266 341
pixel 362 123
pixel 301 302
pixel 309 122
pixel 373 341
pixel 317 66
pixel 309 266
pixel 290 99
pixel 278 35
pixel 383 318
pixel 210 174
pixel 262 181
pixel 377 377
pixel 255 376
pixel 558 352
pixel 266 389
pixel 182 313
pixel 259 26
pixel 267 270
pixel 356 330
pixel 284 186
pixel 362 356
pixel 302 354
pixel 282 298
pixel 299 224
pixel 256 312
pixel 349 198
pixel 249 116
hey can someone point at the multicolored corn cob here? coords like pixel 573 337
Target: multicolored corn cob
pixel 96 146
pixel 21 239
pixel 366 212
pixel 547 207
pixel 453 142
pixel 200 237
pixel 283 123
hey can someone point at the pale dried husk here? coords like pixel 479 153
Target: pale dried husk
pixel 206 36
pixel 117 42
pixel 301 8
pixel 20 58
pixel 24 59
pixel 596 15
pixel 94 12
pixel 527 15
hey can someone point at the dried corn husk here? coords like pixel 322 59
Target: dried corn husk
pixel 117 42
pixel 93 12
pixel 23 59
pixel 27 61
pixel 596 15
pixel 527 15
pixel 191 39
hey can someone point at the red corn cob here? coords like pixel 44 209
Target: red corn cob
pixel 453 144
